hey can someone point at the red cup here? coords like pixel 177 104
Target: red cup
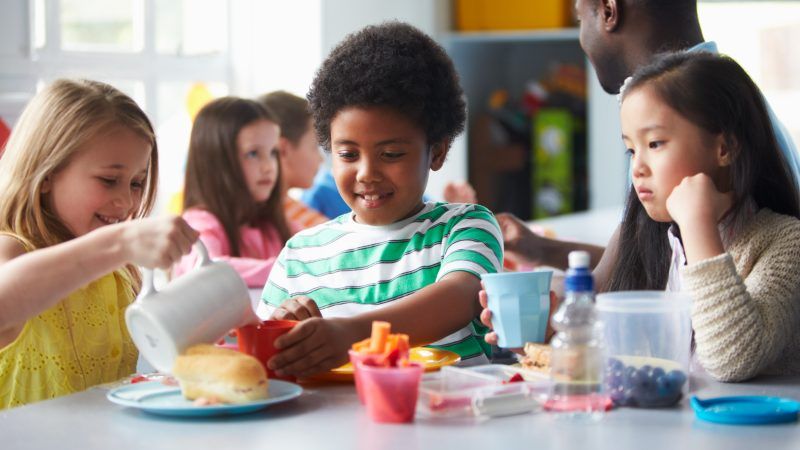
pixel 390 392
pixel 259 341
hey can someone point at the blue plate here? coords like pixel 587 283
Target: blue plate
pixel 746 410
pixel 156 398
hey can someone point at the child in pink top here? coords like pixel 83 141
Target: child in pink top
pixel 232 190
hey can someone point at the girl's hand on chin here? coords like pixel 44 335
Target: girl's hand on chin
pixel 697 201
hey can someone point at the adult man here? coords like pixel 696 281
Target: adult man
pixel 619 36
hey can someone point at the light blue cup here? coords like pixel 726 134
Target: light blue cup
pixel 520 306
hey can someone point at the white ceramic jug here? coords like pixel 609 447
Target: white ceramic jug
pixel 199 307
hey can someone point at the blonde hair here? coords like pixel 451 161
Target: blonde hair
pixel 56 124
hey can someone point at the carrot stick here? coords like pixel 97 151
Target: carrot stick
pixel 380 331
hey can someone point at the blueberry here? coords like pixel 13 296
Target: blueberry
pixel 615 379
pixel 631 378
pixel 665 386
pixel 678 377
pixel 615 365
pixel 617 394
pixel 642 378
pixel 644 387
pixel 628 375
pixel 628 398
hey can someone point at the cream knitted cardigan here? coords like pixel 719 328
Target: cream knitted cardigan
pixel 746 302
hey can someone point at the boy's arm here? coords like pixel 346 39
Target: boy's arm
pixel 473 246
pixel 429 314
pixel 316 345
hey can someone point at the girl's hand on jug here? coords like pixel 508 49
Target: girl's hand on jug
pixel 157 242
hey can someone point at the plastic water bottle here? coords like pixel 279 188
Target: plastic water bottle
pixel 577 360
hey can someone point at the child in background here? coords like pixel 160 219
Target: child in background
pixel 232 189
pixel 80 164
pixel 713 212
pixel 388 121
pixel 299 154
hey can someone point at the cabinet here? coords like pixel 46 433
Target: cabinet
pixel 503 170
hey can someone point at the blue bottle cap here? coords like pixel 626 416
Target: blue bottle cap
pixel 746 410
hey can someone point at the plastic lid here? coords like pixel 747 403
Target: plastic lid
pixel 578 259
pixel 746 410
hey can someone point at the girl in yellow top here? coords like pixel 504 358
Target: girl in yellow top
pixel 79 165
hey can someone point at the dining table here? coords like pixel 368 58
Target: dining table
pixel 328 415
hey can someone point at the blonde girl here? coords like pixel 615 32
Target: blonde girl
pixel 232 193
pixel 76 180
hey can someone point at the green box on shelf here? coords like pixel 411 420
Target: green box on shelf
pixel 552 177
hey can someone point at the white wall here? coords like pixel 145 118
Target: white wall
pixel 608 163
pixel 275 44
pixel 342 17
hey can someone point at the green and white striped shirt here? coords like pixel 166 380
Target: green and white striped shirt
pixel 349 268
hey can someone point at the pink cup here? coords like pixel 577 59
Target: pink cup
pixel 390 393
pixel 355 358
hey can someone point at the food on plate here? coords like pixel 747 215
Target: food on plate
pixel 537 357
pixel 215 374
pixel 383 349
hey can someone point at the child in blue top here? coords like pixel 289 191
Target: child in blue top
pixel 387 105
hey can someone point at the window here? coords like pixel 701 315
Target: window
pixel 762 37
pixel 157 52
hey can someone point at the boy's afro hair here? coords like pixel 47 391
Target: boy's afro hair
pixel 392 65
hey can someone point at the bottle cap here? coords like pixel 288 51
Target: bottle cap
pixel 579 259
pixel 579 278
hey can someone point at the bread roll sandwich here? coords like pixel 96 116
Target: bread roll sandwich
pixel 537 357
pixel 220 375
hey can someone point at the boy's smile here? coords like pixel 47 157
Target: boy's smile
pixel 381 162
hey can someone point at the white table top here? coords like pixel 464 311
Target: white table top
pixel 330 417
pixel 590 227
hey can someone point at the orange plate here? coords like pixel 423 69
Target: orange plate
pixel 432 359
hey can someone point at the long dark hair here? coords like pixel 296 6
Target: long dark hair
pixel 717 95
pixel 214 178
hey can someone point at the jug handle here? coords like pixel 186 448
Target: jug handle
pixel 149 288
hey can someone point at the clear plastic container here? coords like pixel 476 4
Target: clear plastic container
pixel 648 341
pixel 487 391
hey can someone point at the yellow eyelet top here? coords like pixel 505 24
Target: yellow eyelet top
pixel 80 342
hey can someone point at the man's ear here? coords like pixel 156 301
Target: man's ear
pixel 611 13
pixel 725 149
pixel 439 154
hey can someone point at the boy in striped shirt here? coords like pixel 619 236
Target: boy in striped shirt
pixel 387 105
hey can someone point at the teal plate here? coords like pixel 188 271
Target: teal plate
pixel 746 410
pixel 156 398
